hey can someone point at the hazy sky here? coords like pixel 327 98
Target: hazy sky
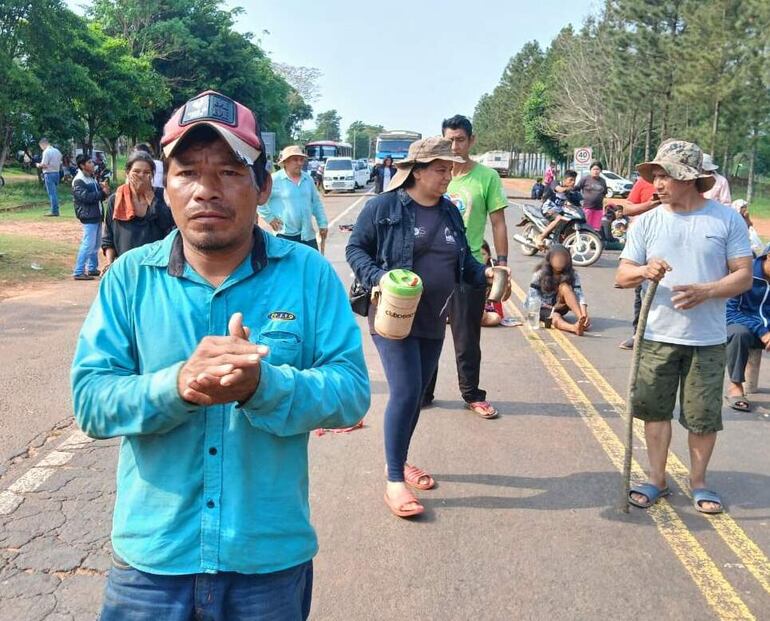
pixel 405 65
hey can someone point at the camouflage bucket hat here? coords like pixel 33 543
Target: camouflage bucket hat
pixel 423 152
pixel 682 161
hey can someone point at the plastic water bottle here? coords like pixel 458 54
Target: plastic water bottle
pixel 533 313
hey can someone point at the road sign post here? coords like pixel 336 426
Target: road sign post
pixel 582 160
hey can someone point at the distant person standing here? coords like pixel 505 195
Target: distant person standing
pixel 50 166
pixel 383 174
pixel 594 189
pixel 87 196
pixel 721 190
pixel 294 201
pixel 477 192
pixel 550 174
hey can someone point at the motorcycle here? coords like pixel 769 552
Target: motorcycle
pixel 583 242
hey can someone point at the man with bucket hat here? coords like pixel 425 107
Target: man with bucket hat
pixel 698 251
pixel 294 201
pixel 212 354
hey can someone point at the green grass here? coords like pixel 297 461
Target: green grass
pixel 36 213
pixel 20 252
pixel 18 192
pixel 760 207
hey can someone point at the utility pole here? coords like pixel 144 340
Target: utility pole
pixel 354 144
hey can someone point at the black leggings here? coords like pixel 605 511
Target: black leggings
pixel 409 364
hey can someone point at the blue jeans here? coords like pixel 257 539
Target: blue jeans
pixel 133 595
pixel 51 180
pixel 88 254
pixel 409 366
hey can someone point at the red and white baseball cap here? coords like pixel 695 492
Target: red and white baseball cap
pixel 233 121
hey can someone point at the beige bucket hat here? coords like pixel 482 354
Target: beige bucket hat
pixel 291 151
pixel 423 152
pixel 682 161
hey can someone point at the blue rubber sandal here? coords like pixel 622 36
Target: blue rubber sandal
pixel 652 492
pixel 706 495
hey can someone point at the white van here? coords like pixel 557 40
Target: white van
pixel 339 174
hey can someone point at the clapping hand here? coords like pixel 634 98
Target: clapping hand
pixel 223 369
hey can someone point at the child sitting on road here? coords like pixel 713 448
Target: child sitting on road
pixel 538 189
pixel 493 311
pixel 557 285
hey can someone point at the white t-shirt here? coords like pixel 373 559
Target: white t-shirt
pixel 157 180
pixel 385 179
pixel 697 245
pixel 51 160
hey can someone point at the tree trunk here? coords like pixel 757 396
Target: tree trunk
pixel 715 127
pixel 752 165
pixel 648 136
pixel 5 145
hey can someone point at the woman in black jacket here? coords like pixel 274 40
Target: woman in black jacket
pixel 383 174
pixel 413 226
pixel 87 196
pixel 136 213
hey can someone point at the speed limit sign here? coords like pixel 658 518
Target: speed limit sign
pixel 583 156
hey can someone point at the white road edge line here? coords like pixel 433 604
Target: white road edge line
pixel 11 498
pixel 349 209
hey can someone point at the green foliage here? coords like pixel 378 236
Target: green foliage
pixel 327 126
pixel 635 74
pixel 120 72
pixel 362 136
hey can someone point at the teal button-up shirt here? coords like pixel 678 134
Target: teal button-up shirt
pixel 225 487
pixel 296 204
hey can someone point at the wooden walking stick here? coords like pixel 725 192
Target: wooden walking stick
pixel 627 458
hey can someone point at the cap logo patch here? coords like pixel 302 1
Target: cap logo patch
pixel 210 107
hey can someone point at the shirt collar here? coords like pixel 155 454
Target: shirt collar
pixel 170 253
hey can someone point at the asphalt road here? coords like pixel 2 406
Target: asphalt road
pixel 522 524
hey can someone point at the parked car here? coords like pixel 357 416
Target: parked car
pixel 616 185
pixel 339 174
pixel 362 173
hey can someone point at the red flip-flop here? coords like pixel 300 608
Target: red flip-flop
pixel 483 408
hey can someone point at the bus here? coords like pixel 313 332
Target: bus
pixel 319 150
pixel 394 144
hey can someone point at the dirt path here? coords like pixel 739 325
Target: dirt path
pixel 61 231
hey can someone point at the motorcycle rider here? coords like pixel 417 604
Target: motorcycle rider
pixel 554 200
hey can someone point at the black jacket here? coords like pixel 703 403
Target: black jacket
pixel 383 239
pixel 87 196
pixel 379 178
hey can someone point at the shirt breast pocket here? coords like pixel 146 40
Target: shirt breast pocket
pixel 716 243
pixel 285 343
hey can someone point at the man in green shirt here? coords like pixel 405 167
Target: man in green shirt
pixel 478 194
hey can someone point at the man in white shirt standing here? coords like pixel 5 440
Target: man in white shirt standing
pixel 50 165
pixel 721 190
pixel 698 251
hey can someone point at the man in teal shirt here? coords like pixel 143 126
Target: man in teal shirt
pixel 294 201
pixel 213 353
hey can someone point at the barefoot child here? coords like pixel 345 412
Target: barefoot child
pixel 557 285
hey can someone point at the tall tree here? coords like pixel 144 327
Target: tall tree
pixel 362 136
pixel 327 125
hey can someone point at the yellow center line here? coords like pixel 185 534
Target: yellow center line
pixel 749 553
pixel 717 591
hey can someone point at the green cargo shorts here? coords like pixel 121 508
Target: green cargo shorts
pixel 698 374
